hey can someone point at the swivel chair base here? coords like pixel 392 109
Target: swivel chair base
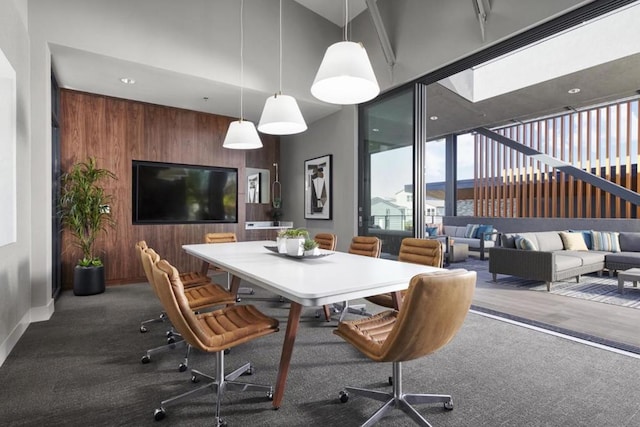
pixel 398 399
pixel 218 386
pixel 342 309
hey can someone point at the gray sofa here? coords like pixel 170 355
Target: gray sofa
pixel 551 262
pixel 480 244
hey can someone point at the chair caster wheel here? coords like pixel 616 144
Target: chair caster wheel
pixel 169 334
pixel 171 340
pixel 182 367
pixel 448 405
pixel 252 292
pixel 221 423
pixel 159 414
pixel 143 329
pixel 195 379
pixel 238 299
pixel 390 380
pixel 344 396
pixel 227 350
pixel 270 395
pixel 145 359
pixel 249 371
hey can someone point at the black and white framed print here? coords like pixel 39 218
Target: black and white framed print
pixel 318 188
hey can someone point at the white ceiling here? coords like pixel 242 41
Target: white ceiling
pixel 203 39
pixel 333 10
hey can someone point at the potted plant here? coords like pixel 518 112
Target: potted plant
pixel 294 240
pixel 85 212
pixel 310 247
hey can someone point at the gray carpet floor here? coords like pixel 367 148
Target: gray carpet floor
pixel 82 368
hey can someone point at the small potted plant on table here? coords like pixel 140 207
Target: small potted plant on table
pixel 294 240
pixel 310 247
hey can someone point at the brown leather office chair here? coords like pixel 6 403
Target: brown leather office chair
pixel 326 241
pixel 433 311
pixel 200 296
pixel 188 279
pixel 360 245
pixel 211 332
pixel 223 237
pixel 418 251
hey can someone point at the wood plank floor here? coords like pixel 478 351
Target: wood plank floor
pixel 595 321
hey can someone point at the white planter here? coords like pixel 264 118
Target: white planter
pixel 281 243
pixel 312 252
pixel 295 246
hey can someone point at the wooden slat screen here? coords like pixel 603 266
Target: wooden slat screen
pixel 602 141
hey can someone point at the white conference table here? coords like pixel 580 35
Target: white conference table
pixel 306 282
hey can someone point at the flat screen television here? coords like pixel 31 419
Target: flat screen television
pixel 170 193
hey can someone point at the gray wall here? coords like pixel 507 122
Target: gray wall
pixel 335 135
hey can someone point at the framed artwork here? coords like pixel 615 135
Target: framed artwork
pixel 318 188
pixel 253 190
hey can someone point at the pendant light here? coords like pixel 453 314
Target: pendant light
pixel 242 134
pixel 345 75
pixel 281 114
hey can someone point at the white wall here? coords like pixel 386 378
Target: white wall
pixel 15 258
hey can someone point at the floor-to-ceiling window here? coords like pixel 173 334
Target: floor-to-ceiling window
pixel 386 157
pixel 523 95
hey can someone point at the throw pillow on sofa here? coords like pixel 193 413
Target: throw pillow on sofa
pixel 470 232
pixel 484 229
pixel 606 241
pixel 526 244
pixel 586 235
pixel 573 241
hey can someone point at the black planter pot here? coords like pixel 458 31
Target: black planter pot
pixel 88 280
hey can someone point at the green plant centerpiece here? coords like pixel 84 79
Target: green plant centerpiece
pixel 310 247
pixel 85 212
pixel 292 240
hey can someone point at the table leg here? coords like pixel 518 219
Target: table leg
pixel 396 297
pixel 235 285
pixel 287 350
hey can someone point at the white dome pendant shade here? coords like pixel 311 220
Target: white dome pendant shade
pixel 242 135
pixel 345 75
pixel 281 116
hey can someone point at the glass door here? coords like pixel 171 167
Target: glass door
pixel 386 201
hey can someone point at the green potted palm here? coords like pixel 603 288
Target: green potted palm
pixel 85 212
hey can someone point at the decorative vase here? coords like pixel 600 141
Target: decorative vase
pixel 88 280
pixel 295 246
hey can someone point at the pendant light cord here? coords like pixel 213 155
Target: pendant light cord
pixel 280 23
pixel 241 58
pixel 346 18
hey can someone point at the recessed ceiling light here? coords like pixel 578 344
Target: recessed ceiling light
pixel 433 118
pixel 574 90
pixel 375 130
pixel 127 80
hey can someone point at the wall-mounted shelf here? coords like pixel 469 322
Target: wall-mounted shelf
pixel 267 225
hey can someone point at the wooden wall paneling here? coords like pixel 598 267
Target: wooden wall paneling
pixel 629 154
pixel 571 208
pixel 579 146
pixel 619 139
pixel 118 131
pixel 589 154
pixel 562 142
pixel 552 177
pixel 637 154
pixel 607 160
pixel 520 190
pixel 598 163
